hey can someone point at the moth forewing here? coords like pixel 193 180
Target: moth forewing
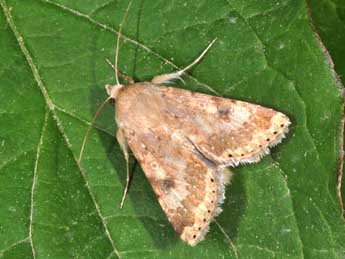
pixel 183 140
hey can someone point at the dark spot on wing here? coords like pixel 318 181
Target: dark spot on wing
pixel 167 184
pixel 224 112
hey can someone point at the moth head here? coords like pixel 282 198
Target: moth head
pixel 113 90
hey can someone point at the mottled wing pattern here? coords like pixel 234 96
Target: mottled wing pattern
pixel 188 187
pixel 183 140
pixel 227 131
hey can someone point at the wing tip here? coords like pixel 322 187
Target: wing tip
pixel 222 178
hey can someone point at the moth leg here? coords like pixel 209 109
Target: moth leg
pixel 166 78
pixel 129 80
pixel 120 136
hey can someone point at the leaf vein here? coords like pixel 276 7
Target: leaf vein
pixel 14 159
pixel 233 247
pixel 13 245
pixel 82 120
pixel 34 181
pixel 51 107
pixel 328 227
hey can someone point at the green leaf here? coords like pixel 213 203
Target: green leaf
pixel 53 73
pixel 329 20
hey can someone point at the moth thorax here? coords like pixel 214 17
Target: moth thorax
pixel 113 90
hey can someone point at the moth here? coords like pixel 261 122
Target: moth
pixel 184 141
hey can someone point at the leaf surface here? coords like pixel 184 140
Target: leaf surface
pixel 329 21
pixel 52 81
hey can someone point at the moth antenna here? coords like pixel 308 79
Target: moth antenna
pixel 90 127
pixel 198 58
pixel 129 80
pixel 110 64
pixel 118 43
pixel 166 78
